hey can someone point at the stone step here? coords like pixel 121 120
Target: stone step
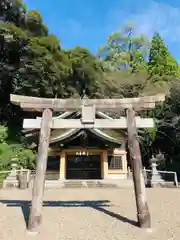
pixel 88 184
pixel 74 184
pixel 53 184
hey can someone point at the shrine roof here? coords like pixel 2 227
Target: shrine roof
pixel 60 135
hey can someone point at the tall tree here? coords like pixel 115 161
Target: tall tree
pixel 43 66
pixel 87 73
pixel 28 57
pixel 125 50
pixel 161 62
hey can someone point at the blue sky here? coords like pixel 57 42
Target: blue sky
pixel 89 22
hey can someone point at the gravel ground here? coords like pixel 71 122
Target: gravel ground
pixel 91 214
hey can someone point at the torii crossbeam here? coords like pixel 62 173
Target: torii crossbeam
pixel 89 108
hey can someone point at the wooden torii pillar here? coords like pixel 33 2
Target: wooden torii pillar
pixel 89 107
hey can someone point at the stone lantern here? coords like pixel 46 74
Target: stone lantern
pixel 156 178
pixel 11 180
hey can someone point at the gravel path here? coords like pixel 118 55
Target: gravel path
pixel 91 214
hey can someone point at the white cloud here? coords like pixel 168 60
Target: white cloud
pixel 149 17
pixel 159 17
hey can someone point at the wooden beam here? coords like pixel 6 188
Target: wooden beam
pixel 32 107
pixel 17 99
pixel 143 215
pixel 98 123
pixel 38 104
pixel 41 165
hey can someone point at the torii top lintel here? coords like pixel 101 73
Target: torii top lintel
pixel 39 104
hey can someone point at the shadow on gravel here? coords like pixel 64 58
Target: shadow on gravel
pixel 116 215
pixel 98 205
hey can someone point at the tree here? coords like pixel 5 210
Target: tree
pixel 27 60
pixel 161 62
pixel 13 11
pixel 125 84
pixel 124 50
pixel 87 74
pixel 13 43
pixel 44 66
pixel 164 138
pixel 35 25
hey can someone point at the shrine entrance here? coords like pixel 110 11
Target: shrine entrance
pixel 83 167
pixel 53 168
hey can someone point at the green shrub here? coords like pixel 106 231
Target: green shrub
pixel 23 156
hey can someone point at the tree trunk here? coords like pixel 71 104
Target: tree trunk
pixel 143 215
pixel 41 165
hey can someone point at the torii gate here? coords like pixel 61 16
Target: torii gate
pixel 88 120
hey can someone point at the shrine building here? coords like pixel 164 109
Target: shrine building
pixel 84 153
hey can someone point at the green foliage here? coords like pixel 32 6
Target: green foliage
pixel 168 128
pixel 46 68
pixel 13 11
pixel 13 41
pixel 5 156
pixel 32 57
pixel 125 84
pixel 86 72
pixel 3 134
pixel 161 61
pixel 10 150
pixel 124 50
pixel 34 24
pixel 25 157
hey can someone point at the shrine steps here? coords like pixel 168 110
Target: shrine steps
pixel 88 183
